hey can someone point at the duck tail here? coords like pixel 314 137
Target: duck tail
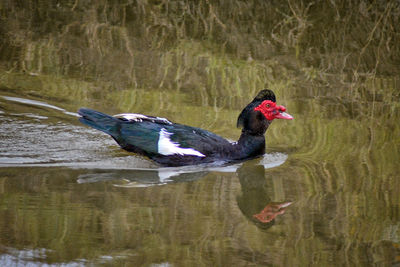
pixel 99 121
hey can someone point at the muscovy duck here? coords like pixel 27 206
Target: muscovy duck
pixel 173 144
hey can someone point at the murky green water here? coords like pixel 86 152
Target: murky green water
pixel 327 192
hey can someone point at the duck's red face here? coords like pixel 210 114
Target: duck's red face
pixel 271 111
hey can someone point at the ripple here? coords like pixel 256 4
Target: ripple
pixel 38 103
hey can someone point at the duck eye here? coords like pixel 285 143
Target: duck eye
pixel 268 105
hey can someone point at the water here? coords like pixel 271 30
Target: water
pixel 70 196
pixel 326 193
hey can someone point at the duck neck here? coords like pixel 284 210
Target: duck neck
pixel 251 144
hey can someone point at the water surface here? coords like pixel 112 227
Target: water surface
pixel 326 193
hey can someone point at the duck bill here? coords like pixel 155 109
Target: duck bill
pixel 283 115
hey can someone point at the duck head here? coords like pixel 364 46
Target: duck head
pixel 272 111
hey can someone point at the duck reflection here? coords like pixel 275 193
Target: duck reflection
pixel 254 201
pixel 152 177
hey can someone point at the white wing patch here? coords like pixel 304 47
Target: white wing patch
pixel 167 147
pixel 140 117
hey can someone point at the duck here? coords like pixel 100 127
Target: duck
pixel 172 144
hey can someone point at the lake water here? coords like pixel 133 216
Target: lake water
pixel 326 193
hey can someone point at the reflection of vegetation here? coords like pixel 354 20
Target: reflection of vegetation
pixel 167 44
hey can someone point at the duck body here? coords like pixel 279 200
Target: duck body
pixel 174 144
